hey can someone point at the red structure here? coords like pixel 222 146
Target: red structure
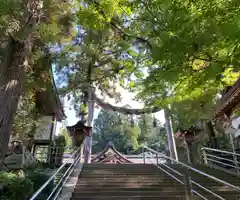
pixel 110 156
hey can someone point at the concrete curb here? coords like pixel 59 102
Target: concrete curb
pixel 69 186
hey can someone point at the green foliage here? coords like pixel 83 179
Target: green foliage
pixel 19 187
pixel 194 54
pixel 14 185
pixel 180 53
pixel 153 137
pixel 25 120
pixel 60 141
pixel 38 179
pixel 108 127
pixel 68 139
pixel 112 127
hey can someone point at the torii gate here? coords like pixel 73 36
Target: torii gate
pixel 86 130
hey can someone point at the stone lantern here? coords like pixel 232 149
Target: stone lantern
pixel 78 132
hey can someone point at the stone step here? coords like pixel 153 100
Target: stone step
pixel 127 185
pixel 129 198
pixel 122 170
pixel 124 189
pixel 118 182
pixel 119 175
pixel 128 193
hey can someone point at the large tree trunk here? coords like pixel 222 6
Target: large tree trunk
pixel 12 71
pixel 11 78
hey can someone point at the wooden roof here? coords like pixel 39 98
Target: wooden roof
pixel 230 99
pixel 110 155
pixel 48 101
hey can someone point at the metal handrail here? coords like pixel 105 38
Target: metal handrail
pixel 41 153
pixel 77 156
pixel 214 159
pixel 213 156
pixel 222 163
pixel 220 151
pixel 189 168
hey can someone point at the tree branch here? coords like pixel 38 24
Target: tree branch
pixel 113 24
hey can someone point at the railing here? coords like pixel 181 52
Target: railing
pixel 221 158
pixel 184 178
pixel 139 158
pixel 42 152
pixel 76 156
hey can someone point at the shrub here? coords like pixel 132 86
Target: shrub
pixel 19 187
pixel 13 186
pixel 38 179
pixel 60 141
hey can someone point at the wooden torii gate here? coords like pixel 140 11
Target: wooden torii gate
pixel 92 98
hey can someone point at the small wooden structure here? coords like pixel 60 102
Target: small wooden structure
pixel 228 109
pixel 110 156
pixel 51 111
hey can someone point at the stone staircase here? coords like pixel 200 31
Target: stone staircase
pixel 146 181
pixel 126 181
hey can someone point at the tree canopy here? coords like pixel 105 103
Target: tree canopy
pixel 126 136
pixel 180 53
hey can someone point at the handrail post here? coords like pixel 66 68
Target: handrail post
pixel 144 157
pixel 204 156
pixel 157 158
pixel 187 185
pixel 234 154
pixel 236 162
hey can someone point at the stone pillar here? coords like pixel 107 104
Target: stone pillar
pixel 88 136
pixel 171 140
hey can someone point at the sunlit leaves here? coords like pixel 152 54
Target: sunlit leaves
pixel 192 49
pixel 230 76
pixel 49 32
pixel 98 14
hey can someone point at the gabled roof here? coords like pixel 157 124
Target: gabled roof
pixel 48 100
pixel 110 154
pixel 230 99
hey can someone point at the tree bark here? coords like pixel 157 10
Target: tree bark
pixel 211 134
pixel 11 78
pixel 12 72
